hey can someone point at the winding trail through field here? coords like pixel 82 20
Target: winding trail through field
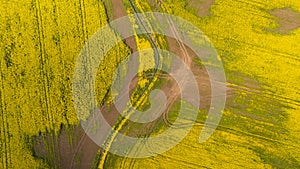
pixel 171 87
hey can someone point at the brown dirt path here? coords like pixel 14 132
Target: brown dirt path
pixel 119 11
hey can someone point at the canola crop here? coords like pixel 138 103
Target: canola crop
pixel 260 125
pixel 40 42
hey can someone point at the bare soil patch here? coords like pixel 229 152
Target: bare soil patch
pixel 287 18
pixel 202 6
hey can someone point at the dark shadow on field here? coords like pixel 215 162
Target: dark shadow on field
pixel 70 148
